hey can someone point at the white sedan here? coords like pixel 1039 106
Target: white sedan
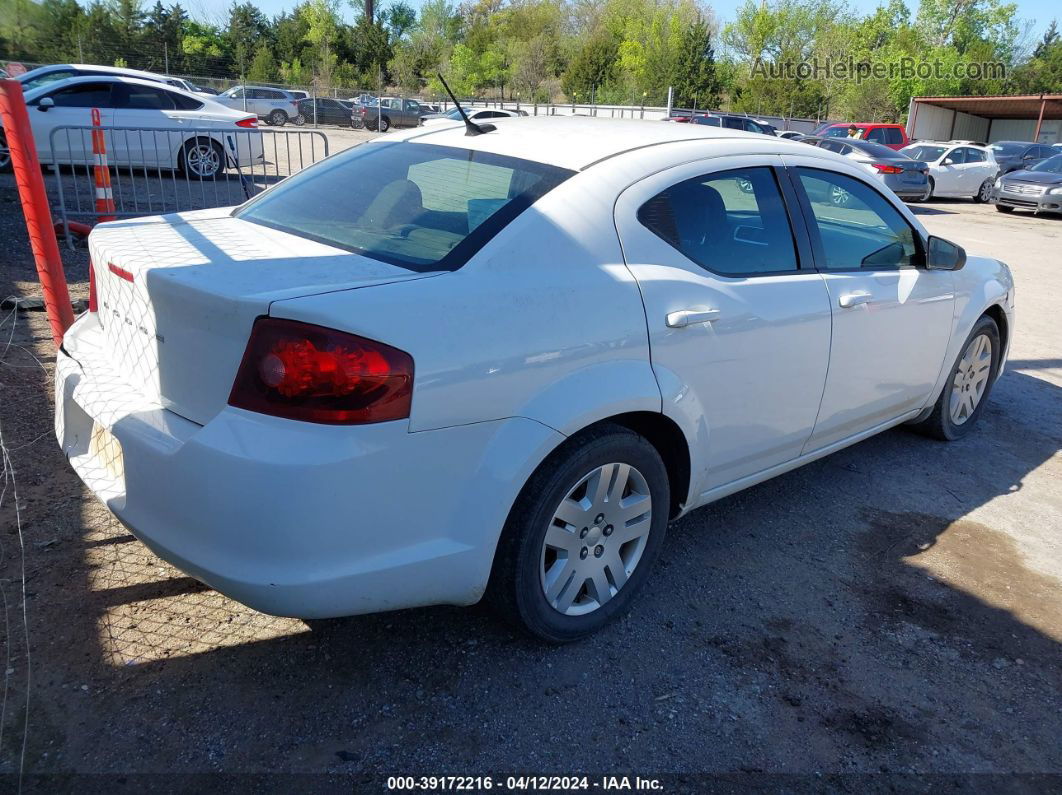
pixel 147 125
pixel 477 115
pixel 957 169
pixel 502 371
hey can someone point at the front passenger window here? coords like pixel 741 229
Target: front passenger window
pixel 733 223
pixel 858 228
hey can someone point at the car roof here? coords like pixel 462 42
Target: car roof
pixel 117 78
pixel 102 70
pixel 576 142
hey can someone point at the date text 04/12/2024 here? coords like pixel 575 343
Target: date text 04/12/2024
pixel 522 783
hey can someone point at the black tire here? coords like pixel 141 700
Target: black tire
pixel 190 170
pixel 516 590
pixel 939 423
pixel 5 155
pixel 384 124
pixel 1002 208
pixel 984 193
pixel 277 118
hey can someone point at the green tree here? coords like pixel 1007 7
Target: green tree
pixel 593 66
pixel 263 68
pixel 696 82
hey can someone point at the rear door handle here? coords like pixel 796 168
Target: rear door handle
pixel 848 300
pixel 689 317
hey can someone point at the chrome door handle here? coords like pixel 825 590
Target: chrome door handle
pixel 848 300
pixel 689 317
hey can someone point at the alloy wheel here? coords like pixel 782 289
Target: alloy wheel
pixel 986 190
pixel 203 161
pixel 595 539
pixel 5 153
pixel 971 379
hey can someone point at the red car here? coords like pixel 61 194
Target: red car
pixel 893 136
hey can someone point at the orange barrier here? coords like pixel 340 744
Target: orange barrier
pixel 101 171
pixel 35 207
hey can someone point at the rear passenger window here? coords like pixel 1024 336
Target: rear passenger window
pixel 975 156
pixel 877 135
pixel 733 223
pixel 893 135
pixel 858 228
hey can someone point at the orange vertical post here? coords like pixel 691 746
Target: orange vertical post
pixel 101 171
pixel 35 207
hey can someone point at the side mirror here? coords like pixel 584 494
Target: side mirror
pixel 943 255
pixel 948 161
pixel 45 104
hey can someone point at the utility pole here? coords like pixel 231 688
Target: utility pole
pixel 166 56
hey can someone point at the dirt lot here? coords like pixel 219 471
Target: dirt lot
pixel 896 608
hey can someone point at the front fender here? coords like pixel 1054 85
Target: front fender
pixel 981 284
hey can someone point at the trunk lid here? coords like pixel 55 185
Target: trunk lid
pixel 177 296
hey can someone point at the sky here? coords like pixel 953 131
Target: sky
pixel 1038 13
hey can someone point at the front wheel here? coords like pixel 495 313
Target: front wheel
pixel 384 124
pixel 969 382
pixel 984 193
pixel 582 536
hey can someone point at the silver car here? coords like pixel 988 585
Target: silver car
pixel 904 176
pixel 1037 188
pixel 274 105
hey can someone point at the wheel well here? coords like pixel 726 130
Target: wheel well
pixel 666 436
pixel 997 314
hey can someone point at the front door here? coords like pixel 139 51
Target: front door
pixel 73 108
pixel 739 331
pixel 892 318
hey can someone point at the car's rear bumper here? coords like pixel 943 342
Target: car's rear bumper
pixel 293 518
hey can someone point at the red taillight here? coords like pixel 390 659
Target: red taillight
pixel 92 288
pixel 885 169
pixel 304 372
pixel 250 123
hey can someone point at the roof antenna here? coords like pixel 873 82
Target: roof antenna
pixel 471 128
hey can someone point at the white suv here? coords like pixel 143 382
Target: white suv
pixel 505 360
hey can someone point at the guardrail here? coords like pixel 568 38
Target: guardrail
pixel 154 171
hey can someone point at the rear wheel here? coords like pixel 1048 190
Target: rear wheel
pixel 5 154
pixel 984 193
pixel 202 159
pixel 299 120
pixel 969 383
pixel 277 118
pixel 582 536
pixel 384 124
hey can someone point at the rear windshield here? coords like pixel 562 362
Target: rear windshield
pixel 921 152
pixel 1008 150
pixel 420 206
pixel 878 150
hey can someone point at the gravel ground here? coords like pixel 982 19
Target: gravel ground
pixel 894 608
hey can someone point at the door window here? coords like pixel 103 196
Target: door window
pixel 877 135
pixel 732 124
pixel 893 135
pixel 975 156
pixel 733 223
pixel 412 107
pixel 84 95
pixel 956 157
pixel 134 97
pixel 857 227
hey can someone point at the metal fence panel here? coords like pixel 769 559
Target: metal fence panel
pixel 156 171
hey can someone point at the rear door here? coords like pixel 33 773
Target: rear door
pixel 159 118
pixel 739 332
pixel 892 318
